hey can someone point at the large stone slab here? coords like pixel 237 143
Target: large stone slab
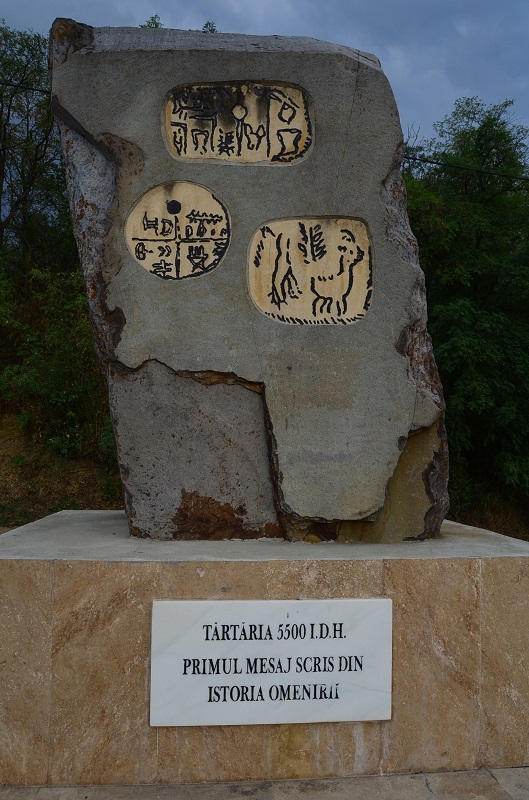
pixel 483 784
pixel 76 600
pixel 195 456
pixel 26 594
pixel 241 221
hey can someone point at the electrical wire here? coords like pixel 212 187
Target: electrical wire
pixel 25 88
pixel 407 157
pixel 466 169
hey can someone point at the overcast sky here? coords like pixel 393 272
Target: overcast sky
pixel 433 51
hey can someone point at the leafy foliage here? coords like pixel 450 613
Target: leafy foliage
pixel 48 370
pixel 55 380
pixel 26 150
pixel 153 22
pixel 474 247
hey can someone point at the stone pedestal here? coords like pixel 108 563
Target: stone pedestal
pixel 75 611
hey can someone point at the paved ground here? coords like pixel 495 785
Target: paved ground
pixel 481 784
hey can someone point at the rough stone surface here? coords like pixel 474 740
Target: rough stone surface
pixel 103 535
pixel 344 382
pixel 515 781
pixel 477 784
pixel 207 484
pixel 26 599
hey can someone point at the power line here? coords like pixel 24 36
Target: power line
pixel 408 157
pixel 25 88
pixel 467 169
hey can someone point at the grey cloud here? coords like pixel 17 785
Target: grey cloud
pixel 432 51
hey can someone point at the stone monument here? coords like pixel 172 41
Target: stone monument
pixel 254 286
pixel 259 312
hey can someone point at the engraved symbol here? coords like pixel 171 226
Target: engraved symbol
pixel 162 269
pixel 167 227
pixel 334 300
pixel 287 113
pixel 239 121
pixel 150 223
pixel 176 238
pixel 226 143
pixel 180 138
pixel 198 257
pixel 313 243
pixel 312 271
pixel 200 140
pixel 289 138
pixel 140 251
pixel 254 138
pixel 239 112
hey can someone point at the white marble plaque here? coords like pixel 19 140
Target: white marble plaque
pixel 262 662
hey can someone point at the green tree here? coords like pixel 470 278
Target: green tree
pixel 48 371
pixel 26 127
pixel 471 223
pixel 153 22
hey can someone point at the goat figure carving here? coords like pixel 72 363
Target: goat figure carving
pixel 312 271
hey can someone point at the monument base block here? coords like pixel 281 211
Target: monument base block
pixel 76 596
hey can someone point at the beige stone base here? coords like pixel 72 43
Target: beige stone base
pixel 75 608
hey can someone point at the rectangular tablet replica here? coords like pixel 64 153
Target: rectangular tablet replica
pixel 255 290
pixel 264 662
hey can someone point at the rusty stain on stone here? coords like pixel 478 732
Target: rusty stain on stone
pixel 201 517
